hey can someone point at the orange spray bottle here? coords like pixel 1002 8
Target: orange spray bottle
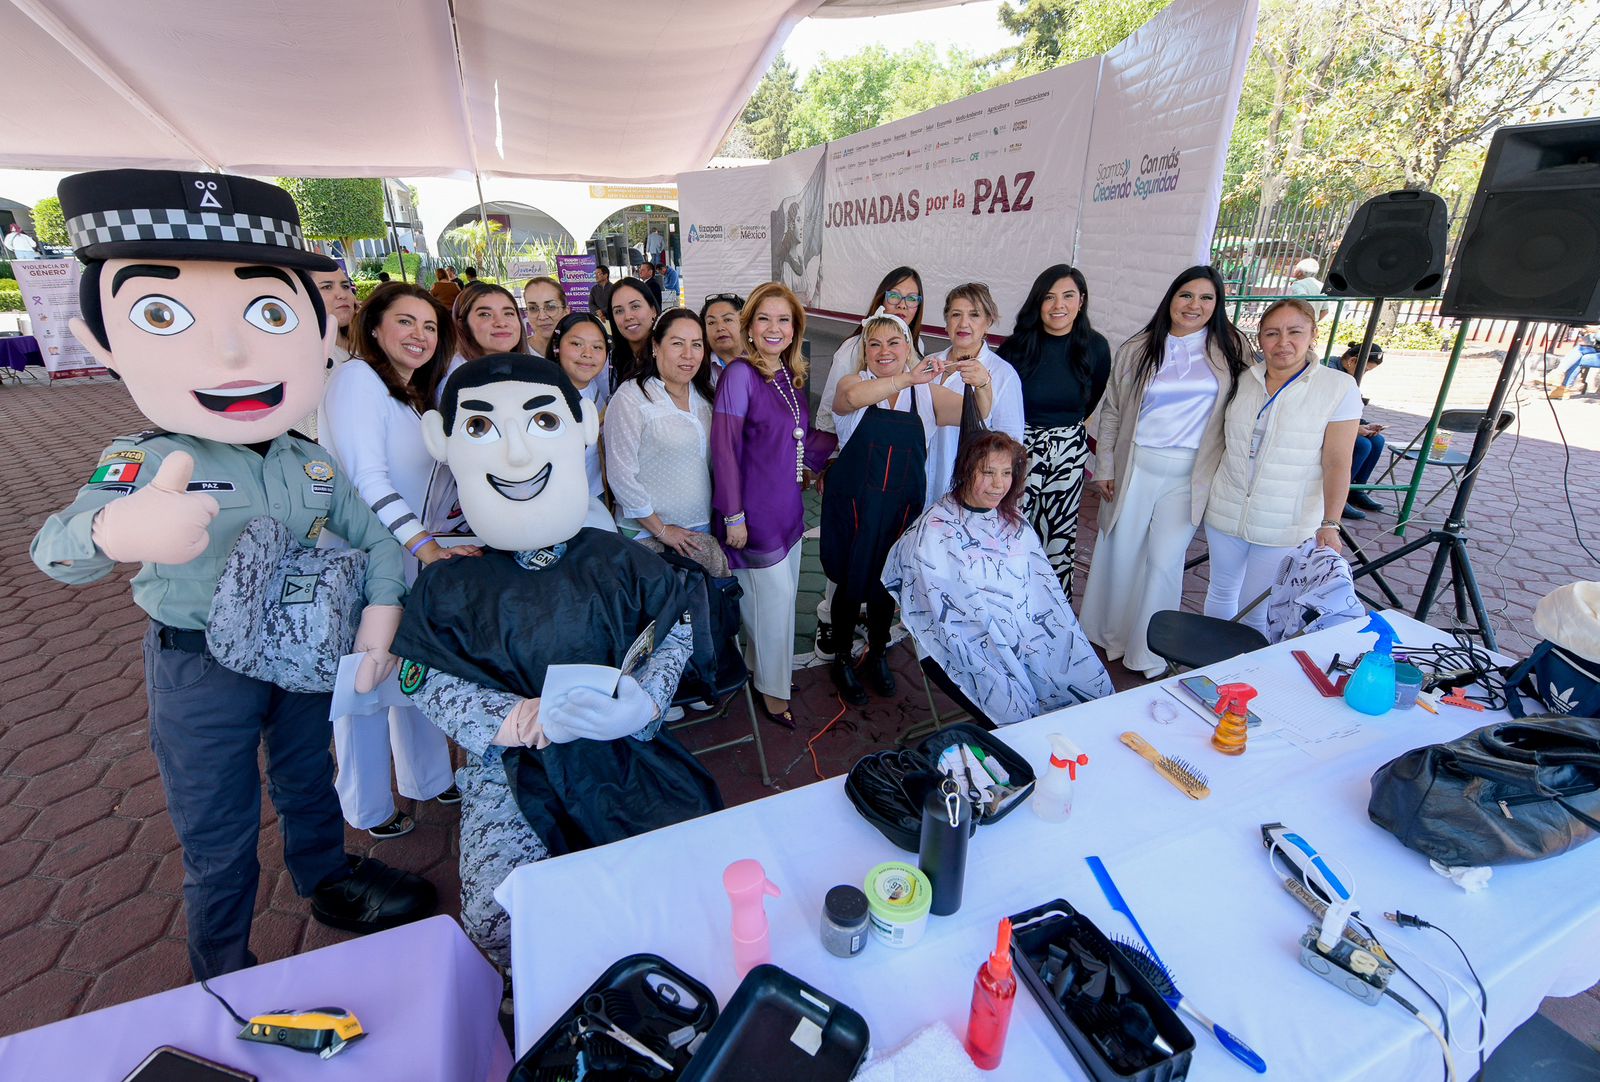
pixel 994 993
pixel 1233 707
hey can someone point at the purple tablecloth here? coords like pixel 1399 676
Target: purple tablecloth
pixel 19 351
pixel 427 999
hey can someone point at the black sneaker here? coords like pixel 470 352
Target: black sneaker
pixel 398 826
pixel 824 648
pixel 451 795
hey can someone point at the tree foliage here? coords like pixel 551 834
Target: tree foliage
pixel 1055 32
pixel 49 227
pixel 332 208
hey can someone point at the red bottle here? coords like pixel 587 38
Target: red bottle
pixel 993 995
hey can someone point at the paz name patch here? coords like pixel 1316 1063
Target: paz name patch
pixel 210 486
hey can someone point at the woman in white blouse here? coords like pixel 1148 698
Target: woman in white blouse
pixel 371 423
pixel 1159 440
pixel 969 312
pixel 656 436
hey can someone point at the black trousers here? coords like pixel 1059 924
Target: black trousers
pixel 847 614
pixel 207 724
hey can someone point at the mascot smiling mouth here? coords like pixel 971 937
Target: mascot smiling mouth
pixel 521 491
pixel 241 397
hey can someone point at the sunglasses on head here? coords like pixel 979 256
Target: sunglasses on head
pixel 732 298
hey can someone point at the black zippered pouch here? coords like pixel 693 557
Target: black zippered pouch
pixel 888 787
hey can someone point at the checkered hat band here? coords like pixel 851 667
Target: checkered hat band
pixel 106 226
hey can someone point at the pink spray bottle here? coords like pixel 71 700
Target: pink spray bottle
pixel 747 886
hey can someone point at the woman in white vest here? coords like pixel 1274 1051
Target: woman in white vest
pixel 1160 437
pixel 1285 472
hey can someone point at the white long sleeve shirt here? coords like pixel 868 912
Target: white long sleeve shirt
pixel 658 457
pixel 378 442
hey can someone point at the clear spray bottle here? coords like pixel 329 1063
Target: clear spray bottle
pixel 1052 796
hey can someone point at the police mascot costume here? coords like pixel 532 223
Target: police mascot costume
pixel 548 773
pixel 196 291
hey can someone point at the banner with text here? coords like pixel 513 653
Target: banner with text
pixel 725 246
pixel 1113 163
pixel 984 189
pixel 1162 120
pixel 576 274
pixel 50 294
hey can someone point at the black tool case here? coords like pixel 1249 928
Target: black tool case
pixel 646 996
pixel 1030 945
pixel 777 1028
pixel 897 813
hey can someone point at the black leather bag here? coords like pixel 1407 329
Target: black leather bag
pixel 1508 793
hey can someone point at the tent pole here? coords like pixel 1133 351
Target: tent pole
pixel 394 233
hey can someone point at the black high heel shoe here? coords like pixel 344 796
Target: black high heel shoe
pixel 784 718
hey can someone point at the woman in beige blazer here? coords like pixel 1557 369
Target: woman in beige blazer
pixel 1159 441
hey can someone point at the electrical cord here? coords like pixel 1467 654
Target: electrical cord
pixel 1407 920
pixel 1443 1008
pixel 237 1017
pixel 1566 477
pixel 1465 662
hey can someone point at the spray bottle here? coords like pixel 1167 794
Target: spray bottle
pixel 1371 686
pixel 994 993
pixel 1233 710
pixel 747 886
pixel 1052 796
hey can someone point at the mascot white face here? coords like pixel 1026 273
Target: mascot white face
pixel 513 432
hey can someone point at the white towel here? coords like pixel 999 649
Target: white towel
pixel 933 1054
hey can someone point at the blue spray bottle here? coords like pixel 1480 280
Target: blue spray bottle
pixel 1371 686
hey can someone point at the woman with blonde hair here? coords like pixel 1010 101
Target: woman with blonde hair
pixel 760 452
pixel 1287 440
pixel 885 413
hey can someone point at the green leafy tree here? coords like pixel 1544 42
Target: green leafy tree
pixel 874 86
pixel 769 117
pixel 49 227
pixel 341 209
pixel 1056 32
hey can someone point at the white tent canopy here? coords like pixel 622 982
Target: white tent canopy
pixel 552 89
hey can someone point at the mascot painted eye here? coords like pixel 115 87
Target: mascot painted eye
pixel 546 424
pixel 479 429
pixel 160 315
pixel 271 315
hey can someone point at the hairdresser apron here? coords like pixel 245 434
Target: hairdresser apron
pixel 874 490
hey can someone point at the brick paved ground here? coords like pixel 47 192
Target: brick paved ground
pixel 90 913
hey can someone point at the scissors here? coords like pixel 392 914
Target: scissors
pixel 595 1020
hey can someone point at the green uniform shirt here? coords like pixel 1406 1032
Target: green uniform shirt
pixel 296 482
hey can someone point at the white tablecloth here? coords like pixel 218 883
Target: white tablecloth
pixel 1195 873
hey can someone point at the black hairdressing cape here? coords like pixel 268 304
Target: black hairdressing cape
pixel 489 620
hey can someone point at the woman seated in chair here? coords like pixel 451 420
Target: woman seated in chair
pixel 983 605
pixel 1369 440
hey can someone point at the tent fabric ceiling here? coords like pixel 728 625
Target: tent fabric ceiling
pixel 559 91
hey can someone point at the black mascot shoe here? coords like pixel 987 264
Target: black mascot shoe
pixel 875 667
pixel 372 898
pixel 850 689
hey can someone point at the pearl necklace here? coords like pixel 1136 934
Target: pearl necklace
pixel 792 401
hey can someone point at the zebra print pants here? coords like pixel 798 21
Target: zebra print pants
pixel 1054 491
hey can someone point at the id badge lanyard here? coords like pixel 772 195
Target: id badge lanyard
pixel 1259 433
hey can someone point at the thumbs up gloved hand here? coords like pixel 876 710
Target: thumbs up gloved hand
pixel 162 523
pixel 587 714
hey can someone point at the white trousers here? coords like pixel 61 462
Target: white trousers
pixel 1137 568
pixel 1240 572
pixel 767 612
pixel 365 744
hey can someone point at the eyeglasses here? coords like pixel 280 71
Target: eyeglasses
pixel 551 307
pixel 893 297
pixel 732 298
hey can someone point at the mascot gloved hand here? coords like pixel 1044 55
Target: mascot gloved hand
pixel 374 636
pixel 587 714
pixel 163 523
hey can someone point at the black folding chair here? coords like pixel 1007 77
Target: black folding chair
pixel 1455 458
pixel 1189 640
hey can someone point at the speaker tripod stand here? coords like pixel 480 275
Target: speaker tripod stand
pixel 1450 538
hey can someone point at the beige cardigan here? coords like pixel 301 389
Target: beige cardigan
pixel 1119 418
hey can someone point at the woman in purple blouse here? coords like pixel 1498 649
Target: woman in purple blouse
pixel 761 454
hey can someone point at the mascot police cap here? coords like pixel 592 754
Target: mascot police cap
pixel 164 213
